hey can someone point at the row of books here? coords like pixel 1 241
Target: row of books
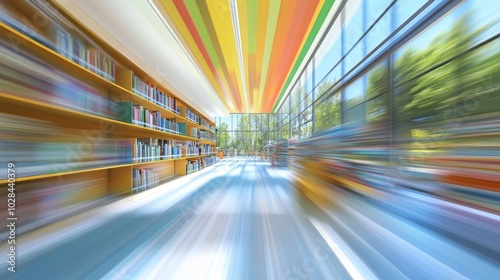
pixel 191 149
pixel 194 132
pixel 55 34
pixel 153 94
pixel 138 115
pixel 23 75
pixel 144 179
pixel 151 149
pixel 87 56
pixel 205 123
pixel 152 119
pixel 193 165
pixel 33 157
pixel 210 160
pixel 196 149
pixel 202 134
pixel 190 115
pixel 57 199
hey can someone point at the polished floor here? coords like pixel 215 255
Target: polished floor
pixel 244 219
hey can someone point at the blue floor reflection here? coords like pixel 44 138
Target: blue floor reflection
pixel 244 219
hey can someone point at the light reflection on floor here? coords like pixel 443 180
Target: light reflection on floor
pixel 244 219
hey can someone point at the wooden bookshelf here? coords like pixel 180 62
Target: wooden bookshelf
pixel 118 177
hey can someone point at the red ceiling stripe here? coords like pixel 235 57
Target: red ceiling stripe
pixel 186 16
pixel 301 20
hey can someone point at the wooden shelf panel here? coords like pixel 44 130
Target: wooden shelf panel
pixel 190 124
pixel 50 175
pixel 40 110
pixel 195 157
pixel 26 44
pixel 118 178
pixel 165 113
pixel 76 70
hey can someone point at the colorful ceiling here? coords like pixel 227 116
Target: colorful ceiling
pixel 249 50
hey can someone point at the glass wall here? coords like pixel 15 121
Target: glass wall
pixel 246 133
pixel 330 90
pixel 401 62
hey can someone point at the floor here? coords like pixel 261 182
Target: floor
pixel 244 219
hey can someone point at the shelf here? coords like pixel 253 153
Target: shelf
pixel 41 110
pixel 165 113
pixel 154 161
pixel 51 175
pixel 192 171
pixel 194 157
pixel 74 69
pixel 51 56
pixel 67 119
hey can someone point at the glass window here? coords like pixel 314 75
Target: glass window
pixel 294 124
pixel 381 29
pixel 234 122
pixel 327 56
pixel 306 115
pixel 404 9
pixel 355 93
pixel 328 112
pixel 295 99
pixel 328 81
pixel 353 30
pixel 285 131
pixel 306 130
pixel 308 79
pixel 366 98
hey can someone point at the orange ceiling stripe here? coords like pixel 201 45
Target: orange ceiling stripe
pixel 300 23
pixel 291 71
pixel 262 22
pixel 250 65
pixel 282 30
pixel 319 18
pixel 270 32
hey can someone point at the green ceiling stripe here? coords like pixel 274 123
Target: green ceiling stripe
pixel 253 19
pixel 203 31
pixel 312 35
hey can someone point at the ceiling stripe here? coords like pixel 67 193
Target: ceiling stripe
pixel 253 52
pixel 216 17
pixel 304 10
pixel 326 8
pixel 274 10
pixel 205 64
pixel 239 48
pixel 282 31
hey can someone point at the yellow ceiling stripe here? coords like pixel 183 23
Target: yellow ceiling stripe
pixel 253 19
pixel 262 23
pixel 218 21
pixel 183 33
pixel 243 29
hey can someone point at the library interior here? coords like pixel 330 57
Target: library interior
pixel 249 139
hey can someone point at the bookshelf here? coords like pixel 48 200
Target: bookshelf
pixel 95 106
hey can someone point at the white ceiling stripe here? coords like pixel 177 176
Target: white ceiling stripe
pixel 237 35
